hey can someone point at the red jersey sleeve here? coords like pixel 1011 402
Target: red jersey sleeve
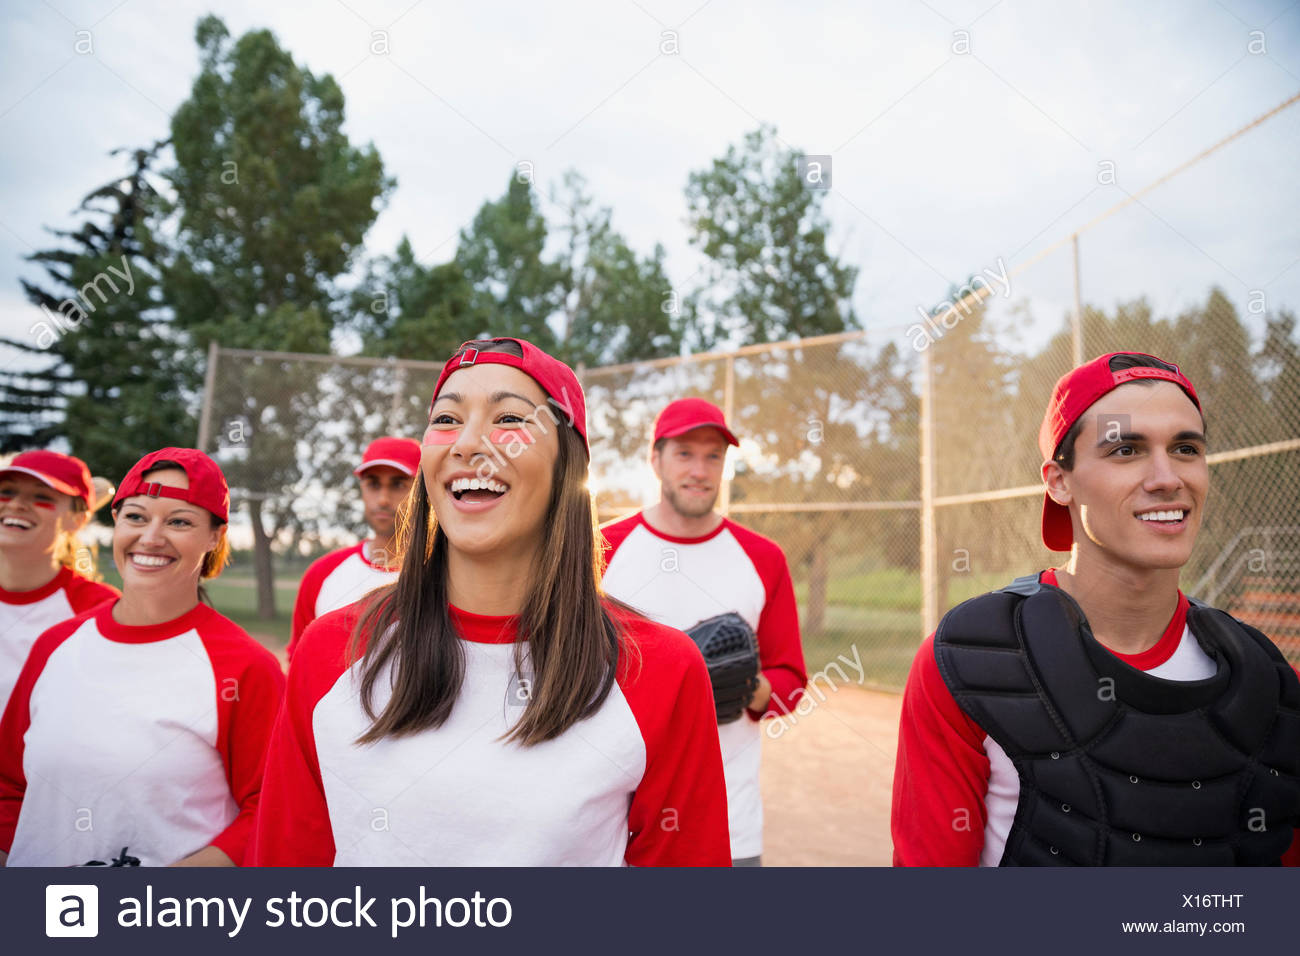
pixel 14 724
pixel 249 688
pixel 293 821
pixel 615 533
pixel 780 648
pixel 941 774
pixel 678 815
pixel 304 606
pixel 84 594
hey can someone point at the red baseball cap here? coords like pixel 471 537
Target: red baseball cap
pixel 556 379
pixel 1074 394
pixel 207 484
pixel 400 453
pixel 681 416
pixel 63 473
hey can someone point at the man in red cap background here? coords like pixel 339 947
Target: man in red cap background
pixel 680 562
pixel 348 574
pixel 1092 714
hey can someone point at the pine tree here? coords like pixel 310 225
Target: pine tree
pixel 108 374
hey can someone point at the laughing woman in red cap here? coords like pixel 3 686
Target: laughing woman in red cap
pixel 45 499
pixel 492 707
pixel 137 729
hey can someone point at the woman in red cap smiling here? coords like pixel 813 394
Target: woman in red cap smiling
pixel 492 706
pixel 138 728
pixel 45 499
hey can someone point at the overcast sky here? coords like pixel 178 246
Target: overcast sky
pixel 962 134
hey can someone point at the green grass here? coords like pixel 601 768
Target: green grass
pixel 896 588
pixel 884 642
pixel 877 616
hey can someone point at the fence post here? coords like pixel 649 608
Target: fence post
pixel 209 387
pixel 728 412
pixel 929 543
pixel 1076 319
pixel 398 380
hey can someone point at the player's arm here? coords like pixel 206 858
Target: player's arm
pixel 783 674
pixel 678 814
pixel 208 856
pixel 13 731
pixel 1292 856
pixel 13 782
pixel 304 609
pixel 292 825
pixel 941 774
pixel 251 687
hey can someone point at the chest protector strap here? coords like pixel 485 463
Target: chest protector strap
pixel 1118 767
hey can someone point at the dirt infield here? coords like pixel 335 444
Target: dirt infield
pixel 826 782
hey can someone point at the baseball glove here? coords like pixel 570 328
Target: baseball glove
pixel 731 652
pixel 122 860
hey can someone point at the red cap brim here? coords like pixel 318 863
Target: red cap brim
pixel 691 426
pixel 1058 532
pixel 386 462
pixel 62 487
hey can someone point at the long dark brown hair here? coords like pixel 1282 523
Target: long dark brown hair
pixel 572 642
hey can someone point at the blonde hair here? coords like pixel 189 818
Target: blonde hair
pixel 71 553
pixel 69 550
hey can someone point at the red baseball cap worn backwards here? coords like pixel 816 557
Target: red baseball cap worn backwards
pixel 207 484
pixel 400 453
pixel 63 473
pixel 686 414
pixel 556 379
pixel 1074 394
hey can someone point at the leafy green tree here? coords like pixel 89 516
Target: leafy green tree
pixel 411 310
pixel 1278 369
pixel 514 290
pixel 110 376
pixel 272 203
pixel 618 306
pixel 770 276
pixel 763 230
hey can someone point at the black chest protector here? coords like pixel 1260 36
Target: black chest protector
pixel 1117 767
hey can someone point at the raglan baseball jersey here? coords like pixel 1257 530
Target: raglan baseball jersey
pixel 955 789
pixel 637 782
pixel 334 581
pixel 682 581
pixel 150 738
pixel 26 615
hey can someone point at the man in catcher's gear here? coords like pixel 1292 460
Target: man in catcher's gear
pixel 1092 714
pixel 681 563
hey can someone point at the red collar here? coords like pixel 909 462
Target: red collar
pixel 60 580
pixel 361 551
pixel 1163 649
pixel 484 628
pixel 150 633
pixel 722 525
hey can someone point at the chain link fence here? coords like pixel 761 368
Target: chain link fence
pixel 897 467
